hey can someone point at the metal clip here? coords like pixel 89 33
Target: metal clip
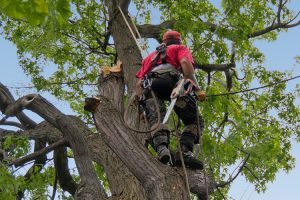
pixel 146 82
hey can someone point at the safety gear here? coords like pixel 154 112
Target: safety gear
pixel 163 154
pixel 187 141
pixel 171 35
pixel 160 53
pixel 172 53
pixel 160 143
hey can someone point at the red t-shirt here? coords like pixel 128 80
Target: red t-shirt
pixel 175 53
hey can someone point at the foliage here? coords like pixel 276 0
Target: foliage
pixel 36 12
pixel 260 122
pixel 11 183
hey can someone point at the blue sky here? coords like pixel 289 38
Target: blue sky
pixel 279 55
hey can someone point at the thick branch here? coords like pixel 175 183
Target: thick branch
pixel 199 183
pixel 154 31
pixel 72 129
pixel 65 179
pixel 3 155
pixel 6 99
pixel 213 67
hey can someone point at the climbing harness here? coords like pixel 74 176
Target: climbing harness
pixel 161 52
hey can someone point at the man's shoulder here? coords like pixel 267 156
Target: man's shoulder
pixel 149 55
pixel 177 46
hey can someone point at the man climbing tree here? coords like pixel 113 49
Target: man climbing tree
pixel 160 72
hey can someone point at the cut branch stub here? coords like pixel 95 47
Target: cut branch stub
pixel 91 103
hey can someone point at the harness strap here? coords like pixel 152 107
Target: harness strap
pixel 160 52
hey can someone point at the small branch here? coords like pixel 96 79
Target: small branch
pixel 232 122
pixel 292 25
pixel 21 161
pixel 275 26
pixel 279 11
pixel 213 67
pixel 4 132
pixel 223 184
pixel 4 154
pixel 11 123
pixel 54 186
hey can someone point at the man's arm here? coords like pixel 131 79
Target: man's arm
pixel 189 73
pixel 188 70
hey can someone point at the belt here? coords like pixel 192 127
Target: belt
pixel 162 68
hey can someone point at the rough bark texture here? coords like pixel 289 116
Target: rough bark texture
pixel 72 129
pixel 156 179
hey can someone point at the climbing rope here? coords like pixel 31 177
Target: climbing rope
pixel 201 150
pixel 130 29
pixel 252 89
pixel 177 132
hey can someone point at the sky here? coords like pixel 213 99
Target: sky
pixel 279 55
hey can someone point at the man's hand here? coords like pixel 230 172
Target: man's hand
pixel 200 95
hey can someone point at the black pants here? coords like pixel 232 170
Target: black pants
pixel 185 107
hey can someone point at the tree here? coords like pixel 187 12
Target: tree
pixel 112 162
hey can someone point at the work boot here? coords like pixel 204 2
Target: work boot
pixel 188 158
pixel 163 154
pixel 160 143
pixel 187 144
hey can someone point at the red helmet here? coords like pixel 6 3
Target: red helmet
pixel 171 35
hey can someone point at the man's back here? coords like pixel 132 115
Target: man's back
pixel 174 55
